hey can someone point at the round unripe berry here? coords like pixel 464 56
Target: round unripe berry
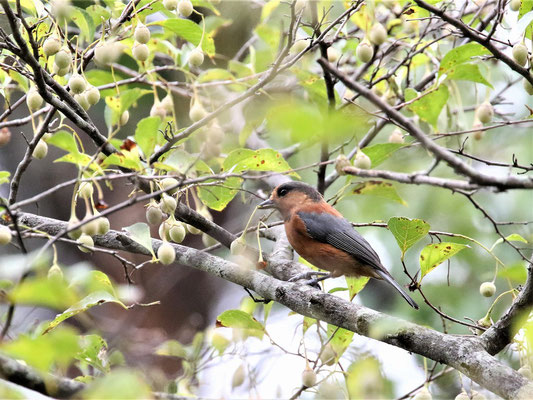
pixel 478 396
pixel 216 134
pixel 185 8
pixel 423 394
pixel 5 235
pixel 197 112
pixel 396 137
pixel 5 136
pixel 103 225
pixel 196 57
pixel 328 355
pixel 51 46
pixel 192 230
pixel 33 99
pixel 168 183
pixel 85 240
pixel 362 161
pixel 299 46
pixel 515 5
pixel 77 83
pixel 308 377
pixel 166 253
pixel 211 150
pixel 479 133
pixel 76 233
pixel 90 228
pixel 487 289
pixel 60 71
pixel 238 246
pixel 62 59
pixel 154 216
pixel 41 150
pixel 168 204
pixel 526 372
pixel 177 232
pixel 340 163
pixel 124 118
pixel 333 54
pixel 364 52
pixel 520 53
pixel 170 4
pixel 164 229
pixel 158 110
pixel 142 33
pixel 81 99
pixel 528 86
pixel 238 377
pixel 208 241
pixel 92 95
pixel 60 8
pixel 55 272
pixel 140 52
pixel 462 396
pixel 168 103
pixel 104 54
pixel 86 190
pixel 377 34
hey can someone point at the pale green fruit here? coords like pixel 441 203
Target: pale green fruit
pixel 86 240
pixel 238 377
pixel 142 33
pixel 75 234
pixel 60 71
pixel 192 230
pixel 196 57
pixel 177 232
pixel 208 241
pixel 51 46
pixel 423 394
pixel 168 103
pixel 487 289
pixel 300 45
pixel 238 246
pixel 41 150
pixel 527 86
pixel 170 4
pixel 168 183
pixel 92 95
pixel 515 5
pixel 478 396
pixel 526 372
pixel 377 34
pixel 55 272
pixel 166 253
pixel 86 190
pixel 197 112
pixel 164 230
pixel 215 134
pixel 479 133
pixel 81 99
pixel 308 377
pixel 185 8
pixel 211 150
pixel 340 162
pixel 62 59
pixel 90 228
pixel 520 53
pixel 103 225
pixel 154 216
pixel 104 54
pixel 168 204
pixel 124 118
pixel 60 8
pixel 5 235
pixel 462 396
pixel 34 99
pixel 485 112
pixel 396 136
pixel 158 110
pixel 77 83
pixel 362 161
pixel 364 52
pixel 140 52
pixel 333 54
pixel 328 355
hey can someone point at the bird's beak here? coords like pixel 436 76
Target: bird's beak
pixel 266 204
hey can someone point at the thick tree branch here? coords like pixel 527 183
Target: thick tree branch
pixel 476 177
pixel 464 353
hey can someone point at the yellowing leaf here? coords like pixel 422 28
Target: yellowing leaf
pixel 436 253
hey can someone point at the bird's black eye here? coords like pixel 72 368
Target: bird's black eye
pixel 282 192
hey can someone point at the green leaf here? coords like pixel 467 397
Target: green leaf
pixel 118 384
pixel 429 107
pixel 93 352
pixel 41 291
pixel 218 197
pixel 65 141
pixel 171 348
pixel 183 162
pixel 84 21
pixel 122 102
pixel 308 323
pixel 140 233
pixel 468 72
pixel 367 370
pixel 380 152
pixel 126 159
pixel 189 31
pixel 4 177
pixel 241 320
pixel 516 272
pixel 146 135
pixel 381 189
pixel 341 339
pixel 460 55
pixel 513 237
pixel 93 299
pixel 436 253
pixel 355 285
pixel 407 231
pixel 241 160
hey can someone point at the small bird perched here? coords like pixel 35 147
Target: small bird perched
pixel 322 236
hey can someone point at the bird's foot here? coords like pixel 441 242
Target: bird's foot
pixel 308 274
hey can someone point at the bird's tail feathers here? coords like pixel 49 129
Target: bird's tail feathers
pixel 387 277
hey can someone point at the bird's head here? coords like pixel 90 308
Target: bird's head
pixel 288 196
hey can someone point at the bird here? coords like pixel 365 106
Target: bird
pixel 321 235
